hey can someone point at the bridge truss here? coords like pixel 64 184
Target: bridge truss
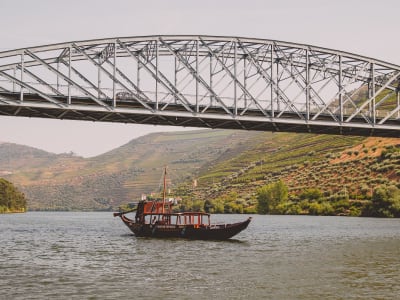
pixel 204 81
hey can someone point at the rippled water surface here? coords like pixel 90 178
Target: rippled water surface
pixel 94 256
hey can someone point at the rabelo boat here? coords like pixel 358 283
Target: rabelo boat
pixel 157 219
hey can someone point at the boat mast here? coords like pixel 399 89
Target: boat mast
pixel 165 185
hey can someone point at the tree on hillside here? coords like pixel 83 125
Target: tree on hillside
pixel 226 203
pixel 270 196
pixel 385 202
pixel 311 194
pixel 11 200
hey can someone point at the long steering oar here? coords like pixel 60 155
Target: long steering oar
pixel 117 214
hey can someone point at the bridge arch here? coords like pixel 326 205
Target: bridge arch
pixel 204 81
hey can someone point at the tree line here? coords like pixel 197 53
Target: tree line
pixel 275 199
pixel 11 199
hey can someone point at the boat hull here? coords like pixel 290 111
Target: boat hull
pixel 202 232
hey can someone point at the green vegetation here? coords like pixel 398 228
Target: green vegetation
pixel 385 203
pixel 11 200
pixel 271 197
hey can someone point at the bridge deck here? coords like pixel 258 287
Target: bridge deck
pixel 131 111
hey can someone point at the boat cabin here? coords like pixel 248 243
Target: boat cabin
pixel 160 213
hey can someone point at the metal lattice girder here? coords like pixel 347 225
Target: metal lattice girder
pixel 204 81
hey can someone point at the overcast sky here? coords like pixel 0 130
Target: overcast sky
pixel 366 27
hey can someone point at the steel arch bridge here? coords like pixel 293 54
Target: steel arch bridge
pixel 204 81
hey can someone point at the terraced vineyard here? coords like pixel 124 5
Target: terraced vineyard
pixel 348 167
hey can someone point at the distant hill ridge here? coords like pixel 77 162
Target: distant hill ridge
pixel 65 181
pixel 221 161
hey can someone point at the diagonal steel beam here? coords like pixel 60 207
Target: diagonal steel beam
pixel 271 81
pixel 16 112
pixel 6 90
pixel 111 76
pixel 41 81
pixel 158 76
pixel 384 99
pixel 348 98
pixel 139 91
pixel 389 115
pixel 333 73
pixel 396 110
pixel 205 123
pixel 308 86
pixel 235 79
pixel 81 76
pixel 395 77
pixel 5 100
pixel 328 102
pixel 197 76
pixel 67 79
pixel 31 88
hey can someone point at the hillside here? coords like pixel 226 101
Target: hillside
pixel 338 167
pixel 68 182
pixel 14 156
pixel 227 166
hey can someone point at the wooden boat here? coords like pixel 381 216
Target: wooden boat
pixel 156 219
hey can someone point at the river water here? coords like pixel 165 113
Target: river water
pixel 68 255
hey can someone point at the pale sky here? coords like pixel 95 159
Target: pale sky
pixel 366 27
